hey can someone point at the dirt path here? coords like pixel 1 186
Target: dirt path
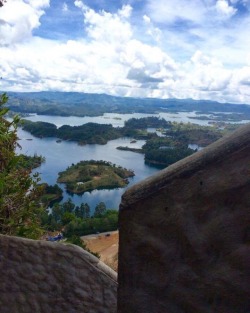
pixel 106 244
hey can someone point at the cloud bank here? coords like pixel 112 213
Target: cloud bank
pixel 198 51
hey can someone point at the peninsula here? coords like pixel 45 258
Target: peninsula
pixel 91 175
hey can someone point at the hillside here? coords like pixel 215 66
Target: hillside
pixel 85 104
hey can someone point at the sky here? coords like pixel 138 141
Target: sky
pixel 197 49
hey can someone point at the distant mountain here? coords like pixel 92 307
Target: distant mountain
pixel 81 104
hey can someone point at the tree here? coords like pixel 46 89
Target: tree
pixel 68 206
pixel 67 218
pixel 100 209
pixel 19 192
pixel 57 212
pixel 85 210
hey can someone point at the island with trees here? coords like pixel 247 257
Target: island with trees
pixel 170 147
pixel 89 133
pixel 30 162
pixel 22 213
pixel 174 146
pixel 91 175
pixel 94 133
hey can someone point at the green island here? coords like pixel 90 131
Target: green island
pixel 163 150
pixel 30 162
pixel 137 150
pixel 94 133
pixel 29 217
pixel 174 143
pixel 89 133
pixel 91 175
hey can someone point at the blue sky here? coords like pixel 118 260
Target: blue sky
pixel 143 48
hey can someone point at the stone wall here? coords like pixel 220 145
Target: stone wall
pixel 185 235
pixel 39 276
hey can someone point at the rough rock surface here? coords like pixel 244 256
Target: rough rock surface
pixel 185 234
pixel 39 276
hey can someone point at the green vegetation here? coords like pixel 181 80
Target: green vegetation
pixel 21 195
pixel 90 175
pixel 146 122
pixel 83 104
pixel 31 162
pixel 77 220
pixel 39 129
pixel 137 127
pixel 19 192
pixel 130 149
pixel 90 133
pixel 50 195
pixel 171 148
pixel 82 227
pixel 193 134
pixel 93 133
pixel 174 147
pixel 161 151
pixel 165 151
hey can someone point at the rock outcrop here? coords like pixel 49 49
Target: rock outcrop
pixel 185 234
pixel 39 277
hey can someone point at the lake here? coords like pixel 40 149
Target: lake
pixel 61 155
pixel 117 120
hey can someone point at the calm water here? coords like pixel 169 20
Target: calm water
pixel 117 120
pixel 61 155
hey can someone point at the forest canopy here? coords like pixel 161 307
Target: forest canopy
pixel 19 192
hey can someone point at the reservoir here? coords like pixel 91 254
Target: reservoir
pixel 60 155
pixel 116 119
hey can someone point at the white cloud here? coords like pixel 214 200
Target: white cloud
pixel 152 31
pixel 224 9
pixel 146 19
pixel 196 12
pixel 125 11
pixel 81 5
pixel 65 7
pixel 18 18
pixel 113 59
pixel 167 12
pixel 209 27
pixel 107 27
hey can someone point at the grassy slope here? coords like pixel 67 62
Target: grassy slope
pixel 87 176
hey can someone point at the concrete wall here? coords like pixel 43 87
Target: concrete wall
pixel 39 276
pixel 185 235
